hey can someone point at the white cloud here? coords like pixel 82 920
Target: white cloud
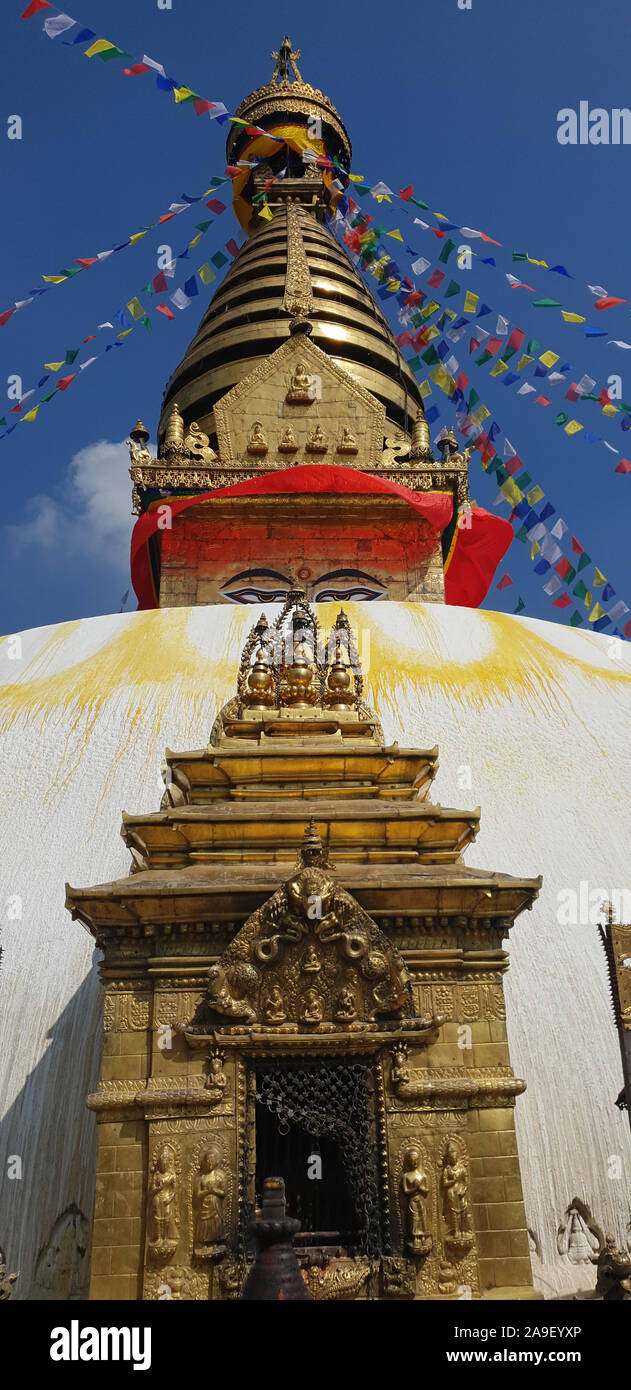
pixel 92 514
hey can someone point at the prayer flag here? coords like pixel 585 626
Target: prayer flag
pixel 624 466
pixel 35 7
pixel 57 24
pixel 64 382
pixel 470 302
pixel 180 300
pixel 607 302
pixel 505 582
pixel 135 308
pixel 572 318
pixel 164 309
pixel 563 601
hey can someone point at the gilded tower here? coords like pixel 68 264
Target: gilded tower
pixel 302 976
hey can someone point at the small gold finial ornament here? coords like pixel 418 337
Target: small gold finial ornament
pixel 259 693
pixel 174 433
pixel 139 434
pixel 421 441
pixel 285 59
pixel 138 439
pixel 288 443
pixel 316 443
pixel 448 445
pixel 257 443
pixel 348 442
pixel 339 683
pixel 301 692
pixel 312 854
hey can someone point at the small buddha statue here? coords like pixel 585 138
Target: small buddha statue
pixel 288 443
pixel 348 442
pixel 301 387
pixel 257 443
pixel 316 444
pixel 260 683
pixel 346 1010
pixel 310 963
pixel 274 1011
pixel 312 1007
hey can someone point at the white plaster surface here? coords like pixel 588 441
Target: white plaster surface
pixel 540 716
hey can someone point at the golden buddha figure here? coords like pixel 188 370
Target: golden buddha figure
pixel 348 443
pixel 312 1008
pixel 161 1216
pixel 257 443
pixel 316 444
pixel 415 1189
pixel 301 387
pixel 275 1008
pixel 288 443
pixel 455 1196
pixel 209 1193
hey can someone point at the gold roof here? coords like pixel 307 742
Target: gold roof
pixel 286 94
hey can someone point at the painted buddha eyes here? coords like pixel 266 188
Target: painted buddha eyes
pixel 337 586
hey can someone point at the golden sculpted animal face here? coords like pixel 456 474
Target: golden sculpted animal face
pixel 310 894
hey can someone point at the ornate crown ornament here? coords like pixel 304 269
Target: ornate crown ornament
pixel 288 92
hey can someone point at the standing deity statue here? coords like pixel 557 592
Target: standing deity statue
pixel 415 1188
pixel 454 1185
pixel 161 1217
pixel 209 1193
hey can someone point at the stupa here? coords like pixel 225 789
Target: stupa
pixel 297 939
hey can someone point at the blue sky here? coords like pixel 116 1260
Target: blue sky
pixel 463 104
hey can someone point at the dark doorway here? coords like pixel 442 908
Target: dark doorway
pixel 315 1128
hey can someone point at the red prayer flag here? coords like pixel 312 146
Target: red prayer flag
pixel 516 338
pixel 166 217
pixel 505 581
pixel 513 465
pixel 490 238
pixel 563 601
pixel 415 297
pixel 474 344
pixel 493 345
pixel 65 382
pixel 232 171
pixel 215 205
pixel 90 338
pixel 608 302
pixel 462 381
pixel 164 309
pixel 437 232
pixel 407 193
pixel 572 394
pixel 564 567
pixel 35 7
pixel 624 466
pixel 436 279
pixel 159 283
pixel 4 318
pixel 604 397
pixel 202 106
pixel 541 400
pixel 86 261
pixel 627 629
pixel 577 547
pixel 232 248
pixel 136 70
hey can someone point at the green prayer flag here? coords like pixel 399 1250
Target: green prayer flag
pixel 583 561
pixel 414 364
pixel 473 399
pixel 446 251
pixel 533 346
pixel 561 418
pixel 418 203
pixel 521 535
pixel 519 255
pixel 523 480
pixel 203 226
pixel 112 53
pixel 430 355
pixel 147 321
pixel 452 288
pixel 50 396
pixel 3 420
pixel 501 474
pixel 567 578
pixel 483 358
pixel 76 271
pixel 219 259
pixel 520 605
pixel 546 304
pixel 71 355
pixel 508 353
pixel 576 620
pixel 579 589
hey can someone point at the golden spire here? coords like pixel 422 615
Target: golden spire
pixel 284 59
pixel 421 442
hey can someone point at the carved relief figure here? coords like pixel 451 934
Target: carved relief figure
pixel 613 1278
pixel 275 1009
pixel 316 443
pixel 216 1080
pixel 312 1007
pixel 310 963
pixel 415 1189
pixel 346 1010
pixel 288 443
pixel 302 386
pixel 348 442
pixel 454 1184
pixel 209 1194
pixel 257 443
pixel 161 1216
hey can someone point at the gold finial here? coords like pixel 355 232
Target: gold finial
pixel 284 60
pixel 139 434
pixel 421 442
pixel 448 445
pixel 174 433
pixel 311 850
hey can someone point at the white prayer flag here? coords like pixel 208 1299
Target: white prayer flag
pixel 180 299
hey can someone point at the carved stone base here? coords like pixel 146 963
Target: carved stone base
pixel 456 1247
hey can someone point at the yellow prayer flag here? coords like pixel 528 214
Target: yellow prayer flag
pixel 610 410
pixel 382 197
pixel 589 599
pixel 599 578
pixel 535 495
pixel 425 389
pixel 572 318
pixel 124 333
pixel 429 309
pixel 596 613
pixel 470 302
pixel 432 332
pixel 396 234
pixel 356 178
pixel 53 366
pixel 101 46
pixel 135 308
pixel 206 275
pixel 480 415
pixel 31 414
pixel 549 358
pixel 442 216
pixel 54 279
pixel 512 492
pixel 534 262
pixel 266 212
pixel 439 375
pixel 523 361
pixel 573 427
pixel 393 286
pixel 499 368
pixel 136 237
pixel 534 549
pixel 182 93
pixel 196 239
